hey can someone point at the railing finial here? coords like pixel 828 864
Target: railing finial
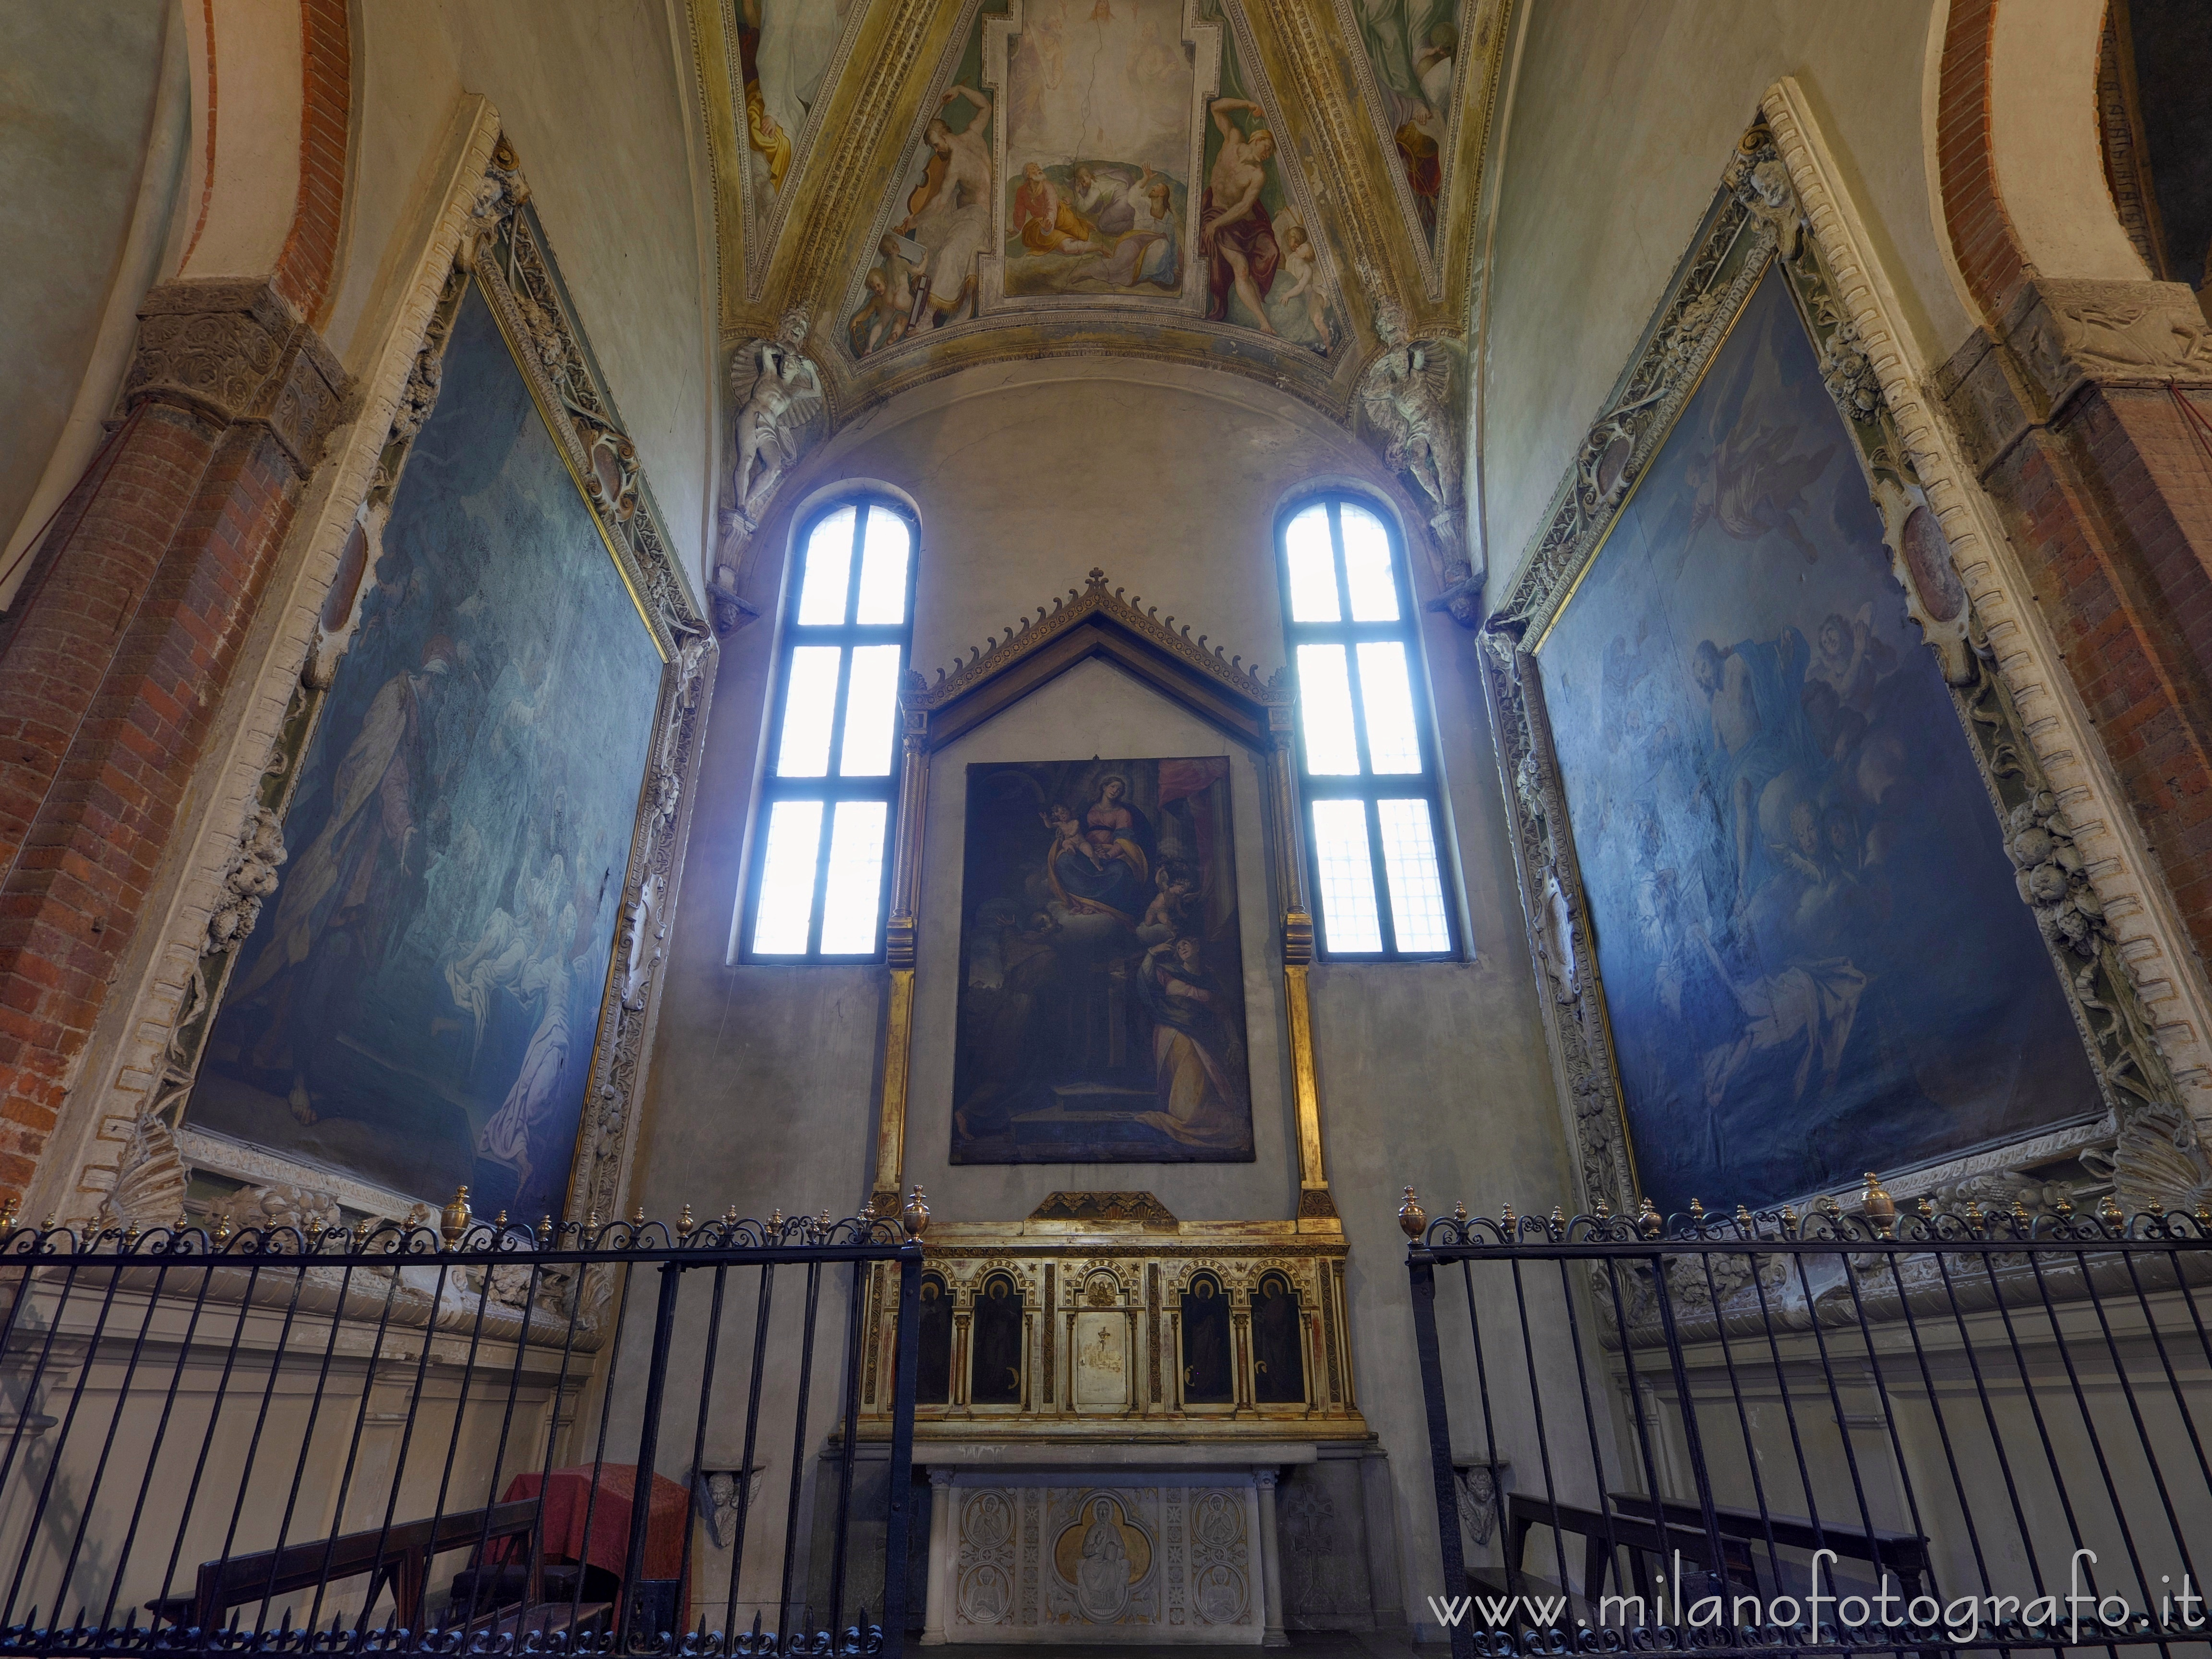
pixel 1881 1208
pixel 453 1220
pixel 1412 1220
pixel 915 1217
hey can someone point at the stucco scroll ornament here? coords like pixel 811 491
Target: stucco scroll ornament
pixel 499 193
pixel 1407 394
pixel 1759 179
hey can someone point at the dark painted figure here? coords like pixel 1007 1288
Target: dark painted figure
pixel 933 1358
pixel 1279 1368
pixel 994 1375
pixel 1205 1373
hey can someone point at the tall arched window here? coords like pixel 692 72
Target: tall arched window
pixel 1374 819
pixel 820 867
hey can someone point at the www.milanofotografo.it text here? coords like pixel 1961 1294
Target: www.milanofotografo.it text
pixel 2080 1614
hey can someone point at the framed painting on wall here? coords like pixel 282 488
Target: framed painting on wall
pixel 417 1004
pixel 1814 958
pixel 1102 977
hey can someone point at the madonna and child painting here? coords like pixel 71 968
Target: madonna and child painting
pixel 416 1005
pixel 1101 975
pixel 1815 958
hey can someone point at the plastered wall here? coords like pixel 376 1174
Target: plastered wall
pixel 1624 119
pixel 764 1080
pixel 595 101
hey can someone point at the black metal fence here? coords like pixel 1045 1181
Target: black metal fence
pixel 1842 1433
pixel 401 1440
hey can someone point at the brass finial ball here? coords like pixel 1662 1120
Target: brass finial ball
pixel 915 1217
pixel 453 1220
pixel 1412 1220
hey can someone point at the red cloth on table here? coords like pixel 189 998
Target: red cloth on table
pixel 568 1495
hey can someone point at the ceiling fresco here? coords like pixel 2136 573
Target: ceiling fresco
pixel 939 184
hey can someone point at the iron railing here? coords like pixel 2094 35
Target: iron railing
pixel 404 1440
pixel 1834 1433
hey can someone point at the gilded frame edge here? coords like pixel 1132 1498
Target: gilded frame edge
pixel 2145 1145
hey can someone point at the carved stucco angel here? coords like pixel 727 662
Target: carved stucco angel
pixel 1405 393
pixel 777 390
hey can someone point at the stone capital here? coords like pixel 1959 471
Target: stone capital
pixel 231 349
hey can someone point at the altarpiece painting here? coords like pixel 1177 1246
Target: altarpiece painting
pixel 1101 1007
pixel 417 1004
pixel 1814 955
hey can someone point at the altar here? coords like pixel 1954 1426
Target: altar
pixel 1138 1430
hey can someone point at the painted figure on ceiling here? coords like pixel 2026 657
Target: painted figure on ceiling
pixel 1046 222
pixel 949 212
pixel 1234 226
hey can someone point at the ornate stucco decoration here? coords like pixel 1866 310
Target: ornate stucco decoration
pixel 2147 1145
pixel 775 393
pixel 490 237
pixel 1406 392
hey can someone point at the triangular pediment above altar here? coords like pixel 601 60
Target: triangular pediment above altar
pixel 1099 620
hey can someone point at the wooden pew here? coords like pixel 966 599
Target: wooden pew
pixel 398 1555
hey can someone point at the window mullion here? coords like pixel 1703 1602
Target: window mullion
pixel 821 879
pixel 1385 912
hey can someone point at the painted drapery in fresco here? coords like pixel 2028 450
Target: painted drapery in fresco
pixel 416 1005
pixel 1413 48
pixel 784 49
pixel 1815 958
pixel 1102 979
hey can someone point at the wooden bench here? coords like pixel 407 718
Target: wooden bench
pixel 1601 1532
pixel 398 1556
pixel 1905 1554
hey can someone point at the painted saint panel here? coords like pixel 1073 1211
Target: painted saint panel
pixel 416 1006
pixel 785 50
pixel 1412 49
pixel 1101 1007
pixel 921 273
pixel 1098 146
pixel 1263 270
pixel 1815 958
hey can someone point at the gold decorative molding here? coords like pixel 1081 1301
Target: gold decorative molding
pixel 1125 1209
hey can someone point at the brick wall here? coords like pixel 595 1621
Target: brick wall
pixel 117 662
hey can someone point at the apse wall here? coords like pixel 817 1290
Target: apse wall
pixel 1621 124
pixel 765 1080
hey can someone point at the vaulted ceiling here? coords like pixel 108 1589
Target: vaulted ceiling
pixel 944 183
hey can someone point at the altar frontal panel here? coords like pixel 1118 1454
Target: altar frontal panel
pixel 1142 1564
pixel 1814 958
pixel 417 1003
pixel 1101 1007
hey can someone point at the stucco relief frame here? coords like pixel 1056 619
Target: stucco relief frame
pixel 2109 934
pixel 1101 621
pixel 485 232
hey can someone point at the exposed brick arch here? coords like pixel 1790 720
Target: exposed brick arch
pixel 309 260
pixel 1982 238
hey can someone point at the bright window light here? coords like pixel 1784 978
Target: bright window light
pixel 1344 871
pixel 828 570
pixel 786 903
pixel 871 712
pixel 1367 763
pixel 850 897
pixel 815 880
pixel 1325 703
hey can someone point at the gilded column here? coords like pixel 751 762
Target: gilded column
pixel 899 955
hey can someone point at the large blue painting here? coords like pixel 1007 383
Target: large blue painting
pixel 1814 959
pixel 1102 967
pixel 417 1004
